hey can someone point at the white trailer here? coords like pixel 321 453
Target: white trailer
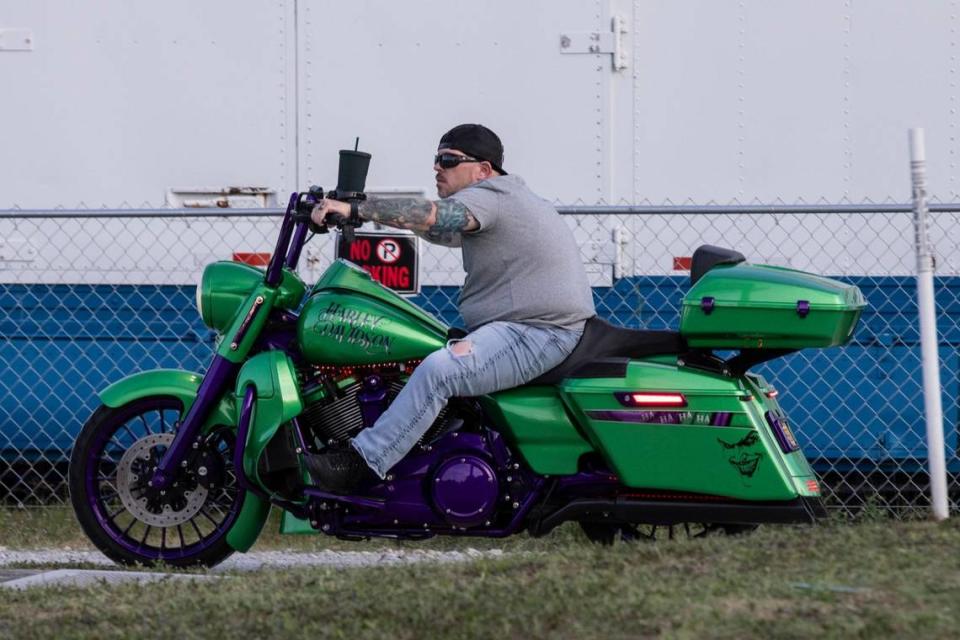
pixel 123 103
pixel 140 104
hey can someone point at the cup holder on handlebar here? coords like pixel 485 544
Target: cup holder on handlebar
pixel 352 177
pixel 351 181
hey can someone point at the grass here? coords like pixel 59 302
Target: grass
pixel 56 527
pixel 879 578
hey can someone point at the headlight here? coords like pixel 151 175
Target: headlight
pixel 223 288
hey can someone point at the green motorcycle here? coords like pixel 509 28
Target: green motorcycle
pixel 636 432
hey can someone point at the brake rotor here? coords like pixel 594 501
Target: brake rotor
pixel 176 505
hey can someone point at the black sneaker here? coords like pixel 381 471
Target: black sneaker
pixel 339 470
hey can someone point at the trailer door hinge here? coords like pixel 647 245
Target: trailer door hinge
pixel 611 42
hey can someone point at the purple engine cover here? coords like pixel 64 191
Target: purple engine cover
pixel 465 490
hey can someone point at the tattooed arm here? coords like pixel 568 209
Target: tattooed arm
pixel 437 221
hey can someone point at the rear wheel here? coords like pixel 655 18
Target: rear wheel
pixel 112 462
pixel 607 533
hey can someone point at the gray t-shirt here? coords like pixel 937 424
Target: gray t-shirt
pixel 523 264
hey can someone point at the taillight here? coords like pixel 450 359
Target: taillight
pixel 645 399
pixel 772 393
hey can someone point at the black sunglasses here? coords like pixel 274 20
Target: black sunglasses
pixel 450 160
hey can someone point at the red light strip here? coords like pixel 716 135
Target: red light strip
pixel 658 399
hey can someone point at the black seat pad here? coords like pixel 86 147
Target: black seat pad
pixel 603 340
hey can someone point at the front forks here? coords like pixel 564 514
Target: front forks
pixel 222 372
pixel 243 430
pixel 244 331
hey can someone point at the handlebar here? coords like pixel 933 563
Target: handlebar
pixel 345 224
pixel 297 219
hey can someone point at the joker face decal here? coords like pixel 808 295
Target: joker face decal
pixel 741 456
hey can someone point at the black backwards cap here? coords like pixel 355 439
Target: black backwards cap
pixel 476 141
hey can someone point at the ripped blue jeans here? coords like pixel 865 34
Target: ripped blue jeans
pixel 497 356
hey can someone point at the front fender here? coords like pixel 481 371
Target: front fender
pixel 182 385
pixel 278 400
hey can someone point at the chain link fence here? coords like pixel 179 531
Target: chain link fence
pixel 88 297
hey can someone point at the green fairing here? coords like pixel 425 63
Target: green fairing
pixel 226 285
pixel 245 531
pixel 352 320
pixel 756 306
pixel 229 347
pixel 278 401
pixel 182 385
pixel 736 461
pixel 795 463
pixel 534 421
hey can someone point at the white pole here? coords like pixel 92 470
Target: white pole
pixel 936 460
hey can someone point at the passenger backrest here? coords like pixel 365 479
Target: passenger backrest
pixel 707 256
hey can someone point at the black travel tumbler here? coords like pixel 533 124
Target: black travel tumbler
pixel 353 171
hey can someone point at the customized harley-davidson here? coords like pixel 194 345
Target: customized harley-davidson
pixel 636 432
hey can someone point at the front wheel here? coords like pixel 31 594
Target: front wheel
pixel 112 462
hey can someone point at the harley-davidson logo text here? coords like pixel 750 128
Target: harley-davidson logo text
pixel 352 327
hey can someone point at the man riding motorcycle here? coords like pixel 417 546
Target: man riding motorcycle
pixel 525 299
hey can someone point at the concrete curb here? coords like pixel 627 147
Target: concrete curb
pixel 88 578
pixel 260 560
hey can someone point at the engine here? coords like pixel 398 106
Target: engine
pixel 465 489
pixel 353 403
pixel 462 483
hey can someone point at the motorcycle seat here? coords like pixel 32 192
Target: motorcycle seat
pixel 604 350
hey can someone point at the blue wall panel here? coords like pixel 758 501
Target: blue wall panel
pixel 63 343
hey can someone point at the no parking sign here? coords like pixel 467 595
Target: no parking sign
pixel 392 259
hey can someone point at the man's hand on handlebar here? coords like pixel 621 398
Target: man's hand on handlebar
pixel 323 209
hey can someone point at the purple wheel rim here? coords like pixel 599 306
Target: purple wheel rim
pixel 107 521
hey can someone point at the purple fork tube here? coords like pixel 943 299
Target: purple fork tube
pixel 298 434
pixel 274 269
pixel 243 428
pixel 293 255
pixel 219 375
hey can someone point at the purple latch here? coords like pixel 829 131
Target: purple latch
pixel 707 303
pixel 803 308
